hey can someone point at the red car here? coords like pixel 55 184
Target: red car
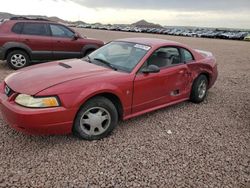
pixel 123 79
pixel 24 41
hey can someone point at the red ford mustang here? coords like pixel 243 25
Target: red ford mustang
pixel 123 79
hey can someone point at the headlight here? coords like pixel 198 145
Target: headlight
pixel 36 102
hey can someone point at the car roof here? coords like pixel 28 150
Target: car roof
pixel 25 19
pixel 32 21
pixel 150 41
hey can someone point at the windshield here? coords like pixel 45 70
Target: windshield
pixel 119 55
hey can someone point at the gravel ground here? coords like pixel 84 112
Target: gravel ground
pixel 186 145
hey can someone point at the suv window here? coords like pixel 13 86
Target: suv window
pixel 165 57
pixel 35 29
pixel 17 28
pixel 187 55
pixel 61 31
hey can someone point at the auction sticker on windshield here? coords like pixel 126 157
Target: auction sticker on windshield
pixel 144 47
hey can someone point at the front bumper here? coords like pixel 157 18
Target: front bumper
pixel 47 121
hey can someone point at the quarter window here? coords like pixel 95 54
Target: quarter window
pixel 187 56
pixel 61 31
pixel 17 28
pixel 35 29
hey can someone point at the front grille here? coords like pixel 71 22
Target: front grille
pixel 8 91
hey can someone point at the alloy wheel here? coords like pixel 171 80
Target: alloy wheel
pixel 202 89
pixel 95 121
pixel 18 60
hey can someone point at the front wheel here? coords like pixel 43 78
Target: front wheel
pixel 18 59
pixel 199 89
pixel 96 119
pixel 89 52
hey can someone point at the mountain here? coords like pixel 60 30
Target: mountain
pixel 54 19
pixel 78 22
pixel 4 15
pixel 145 24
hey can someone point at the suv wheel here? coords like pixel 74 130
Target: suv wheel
pixel 18 59
pixel 89 52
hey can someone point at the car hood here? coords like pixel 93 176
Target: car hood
pixel 36 78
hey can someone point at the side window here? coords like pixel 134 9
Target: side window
pixel 17 28
pixel 35 29
pixel 60 31
pixel 165 57
pixel 187 56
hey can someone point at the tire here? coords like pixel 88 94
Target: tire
pixel 199 89
pixel 18 59
pixel 96 119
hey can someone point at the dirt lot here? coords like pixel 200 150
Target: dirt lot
pixel 209 145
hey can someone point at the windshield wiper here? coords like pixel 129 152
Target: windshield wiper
pixel 106 63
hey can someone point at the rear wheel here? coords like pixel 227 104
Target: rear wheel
pixel 96 119
pixel 18 59
pixel 199 89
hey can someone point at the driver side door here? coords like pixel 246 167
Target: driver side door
pixel 63 43
pixel 152 90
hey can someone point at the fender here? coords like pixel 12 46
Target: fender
pixel 97 90
pixel 89 47
pixel 123 109
pixel 204 69
pixel 81 95
pixel 15 45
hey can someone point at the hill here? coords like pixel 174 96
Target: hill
pixel 4 15
pixel 145 24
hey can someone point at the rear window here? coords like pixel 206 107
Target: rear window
pixel 17 28
pixel 35 29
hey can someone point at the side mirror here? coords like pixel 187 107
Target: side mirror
pixel 75 36
pixel 151 69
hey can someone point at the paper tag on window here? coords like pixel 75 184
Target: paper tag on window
pixel 144 47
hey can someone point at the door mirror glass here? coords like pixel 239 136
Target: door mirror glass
pixel 151 69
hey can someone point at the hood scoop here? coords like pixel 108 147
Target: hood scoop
pixel 65 65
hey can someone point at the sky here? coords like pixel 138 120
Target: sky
pixel 208 13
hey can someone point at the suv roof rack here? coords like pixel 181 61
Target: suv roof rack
pixel 25 18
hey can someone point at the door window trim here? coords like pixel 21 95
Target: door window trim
pixel 163 68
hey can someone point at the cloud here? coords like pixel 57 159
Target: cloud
pixel 182 5
pixel 210 13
